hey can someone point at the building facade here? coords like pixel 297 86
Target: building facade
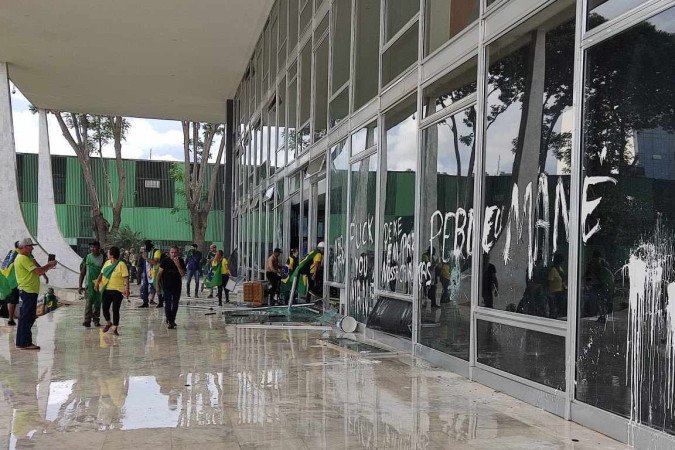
pixel 153 204
pixel 493 181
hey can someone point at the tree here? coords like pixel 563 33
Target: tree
pixel 198 140
pixel 87 135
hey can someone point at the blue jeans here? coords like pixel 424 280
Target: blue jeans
pixel 27 317
pixel 171 299
pixel 190 275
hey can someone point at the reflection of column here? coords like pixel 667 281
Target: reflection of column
pixel 512 277
pixel 67 272
pixel 12 222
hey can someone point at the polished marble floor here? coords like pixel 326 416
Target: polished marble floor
pixel 211 385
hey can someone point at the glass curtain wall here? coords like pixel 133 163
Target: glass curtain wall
pixel 525 194
pixel 397 216
pixel 361 231
pixel 625 348
pixel 591 323
pixel 340 41
pixel 338 166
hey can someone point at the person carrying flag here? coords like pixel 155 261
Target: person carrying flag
pixel 9 290
pixel 218 276
pixel 90 270
pixel 113 283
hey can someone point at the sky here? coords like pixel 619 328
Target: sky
pixel 161 138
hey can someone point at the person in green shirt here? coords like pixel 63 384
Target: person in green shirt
pixel 28 273
pixel 89 270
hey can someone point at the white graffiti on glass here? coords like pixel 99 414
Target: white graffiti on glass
pixel 338 258
pixel 399 246
pixel 535 218
pixel 361 242
pixel 650 366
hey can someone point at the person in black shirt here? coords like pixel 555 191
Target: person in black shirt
pixel 171 271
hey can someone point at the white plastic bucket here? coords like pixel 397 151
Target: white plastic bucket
pixel 347 324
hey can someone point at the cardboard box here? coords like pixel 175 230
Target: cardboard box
pixel 254 292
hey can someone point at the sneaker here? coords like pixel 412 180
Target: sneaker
pixel 144 305
pixel 115 332
pixel 152 302
pixel 86 324
pixel 171 326
pixel 11 322
pixel 106 327
pixel 97 323
pixel 196 296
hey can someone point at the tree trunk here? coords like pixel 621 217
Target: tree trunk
pixel 199 224
pixel 117 125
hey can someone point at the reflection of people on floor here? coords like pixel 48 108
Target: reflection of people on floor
pixel 557 287
pixel 490 285
pixel 113 387
pixel 599 288
pixel 19 379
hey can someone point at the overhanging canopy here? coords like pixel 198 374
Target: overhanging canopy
pixel 164 59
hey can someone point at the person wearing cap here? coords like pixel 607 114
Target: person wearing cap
pixel 194 267
pixel 28 279
pixel 273 274
pixel 90 269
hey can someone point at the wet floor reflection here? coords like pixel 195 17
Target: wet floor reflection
pixel 212 383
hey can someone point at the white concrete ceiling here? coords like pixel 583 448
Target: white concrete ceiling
pixel 164 59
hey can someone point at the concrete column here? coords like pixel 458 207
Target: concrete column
pixel 12 222
pixel 48 232
pixel 229 178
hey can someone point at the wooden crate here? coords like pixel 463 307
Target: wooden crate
pixel 254 292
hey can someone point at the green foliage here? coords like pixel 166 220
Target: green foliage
pixel 126 238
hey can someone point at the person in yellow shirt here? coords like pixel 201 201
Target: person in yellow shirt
pixel 316 271
pixel 113 282
pixel 28 280
pixel 220 263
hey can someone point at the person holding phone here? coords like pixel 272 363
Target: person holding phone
pixel 28 279
pixel 170 278
pixel 113 283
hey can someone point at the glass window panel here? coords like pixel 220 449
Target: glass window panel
pixel 273 52
pixel 292 24
pixel 291 134
pixel 304 139
pixel 398 13
pixel 365 138
pixel 529 122
pixel 266 55
pixel 532 355
pixel 446 18
pixel 320 28
pixel 273 138
pixel 367 47
pixel 446 232
pixel 397 222
pixel 600 11
pixel 279 216
pixel 305 82
pixel 450 88
pixel 339 108
pixel 362 237
pixel 283 20
pixel 260 80
pixel 321 90
pixel 625 353
pixel 401 55
pixel 282 115
pixel 305 16
pixel 338 166
pixel 341 38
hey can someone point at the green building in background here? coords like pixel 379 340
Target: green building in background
pixel 153 203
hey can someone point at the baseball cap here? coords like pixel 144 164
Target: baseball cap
pixel 26 242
